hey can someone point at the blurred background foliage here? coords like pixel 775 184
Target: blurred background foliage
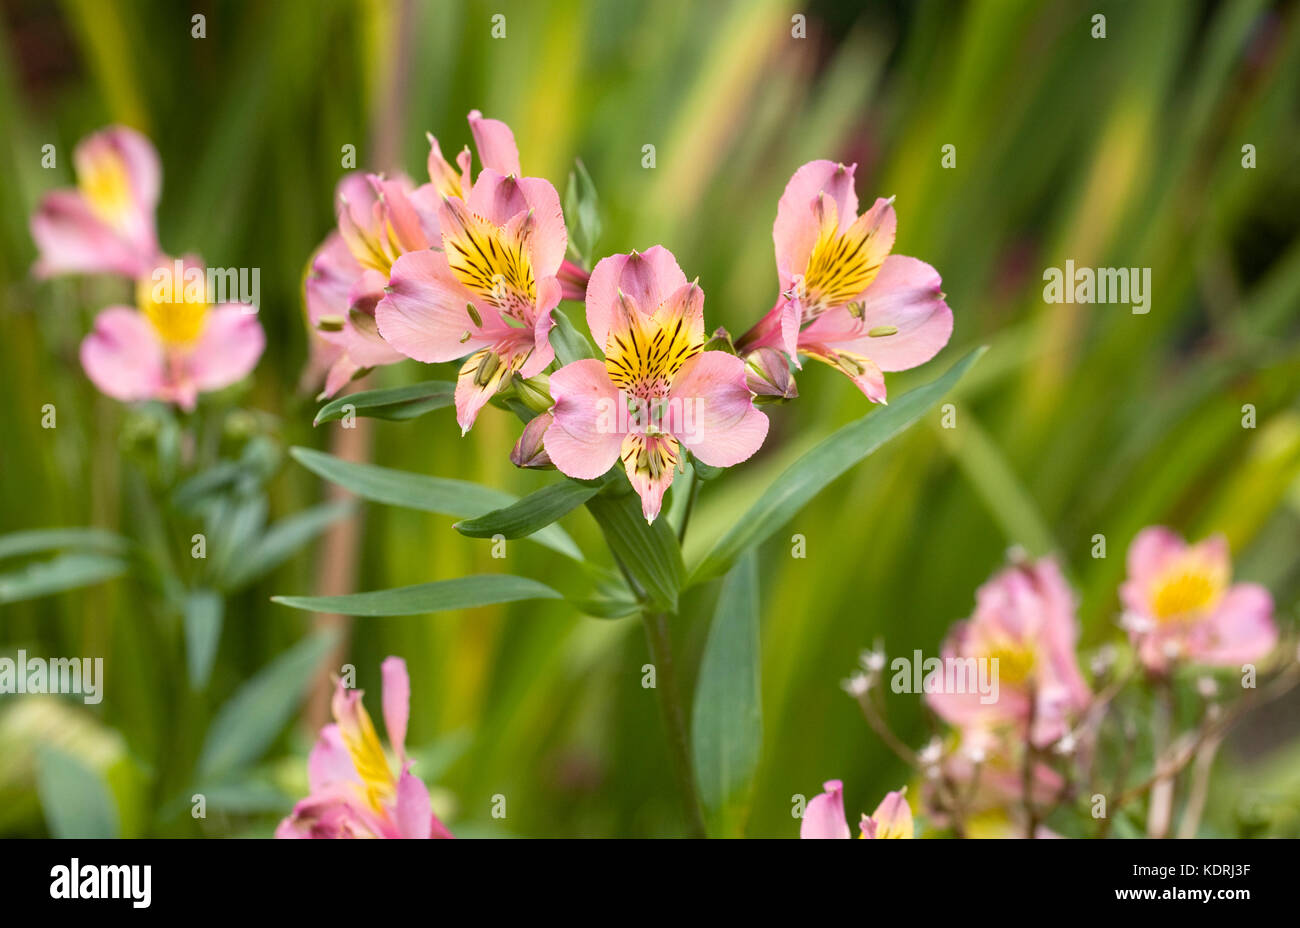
pixel 1082 420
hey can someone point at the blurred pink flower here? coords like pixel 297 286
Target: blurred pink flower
pixel 845 300
pixel 657 388
pixel 1025 620
pixel 105 224
pixel 354 791
pixel 175 345
pixel 824 816
pixel 1180 605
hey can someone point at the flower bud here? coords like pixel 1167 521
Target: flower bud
pixel 529 451
pixel 767 374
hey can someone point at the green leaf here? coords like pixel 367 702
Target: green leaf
pixel 250 720
pixel 570 344
pixel 439 596
pixel 649 553
pixel 727 721
pixel 204 610
pixel 829 459
pixel 76 800
pixel 395 403
pixel 582 214
pixel 532 513
pixel 458 498
pixel 53 539
pixel 65 572
pixel 284 538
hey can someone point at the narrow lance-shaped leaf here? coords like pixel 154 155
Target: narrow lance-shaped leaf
pixel 727 721
pixel 532 513
pixel 65 572
pixel 439 596
pixel 831 458
pixel 285 537
pixel 649 553
pixel 249 721
pixel 458 498
pixel 75 799
pixel 394 403
pixel 57 539
pixel 204 610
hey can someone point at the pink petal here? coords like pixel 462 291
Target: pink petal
pixel 893 817
pixel 499 199
pixel 229 348
pixel 583 441
pixel 649 486
pixel 495 142
pixel 1151 551
pixel 413 811
pixel 329 762
pixel 548 297
pixel 647 278
pixel 824 816
pixel 796 228
pixel 122 355
pixel 1241 630
pixel 341 373
pixel 905 296
pixel 397 702
pixel 711 399
pixel 424 315
pixel 73 240
pixel 329 282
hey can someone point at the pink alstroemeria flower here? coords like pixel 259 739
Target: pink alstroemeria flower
pixel 1181 605
pixel 1025 620
pixel 657 388
pixel 845 300
pixel 824 816
pixel 106 224
pixel 354 791
pixel 488 294
pixel 175 345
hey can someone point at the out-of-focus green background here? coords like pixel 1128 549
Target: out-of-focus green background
pixel 1123 151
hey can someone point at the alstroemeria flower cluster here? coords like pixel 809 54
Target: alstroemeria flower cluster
pixel 657 392
pixel 824 816
pixel 381 219
pixel 1025 627
pixel 356 792
pixel 844 299
pixel 174 343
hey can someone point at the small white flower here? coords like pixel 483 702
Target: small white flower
pixel 857 685
pixel 931 753
pixel 1136 623
pixel 1065 747
pixel 1208 687
pixel 872 661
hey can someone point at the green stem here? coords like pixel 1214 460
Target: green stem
pixel 670 704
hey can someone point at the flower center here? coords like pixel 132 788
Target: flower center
pixel 176 309
pixel 1184 593
pixel 840 268
pixel 493 262
pixel 103 180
